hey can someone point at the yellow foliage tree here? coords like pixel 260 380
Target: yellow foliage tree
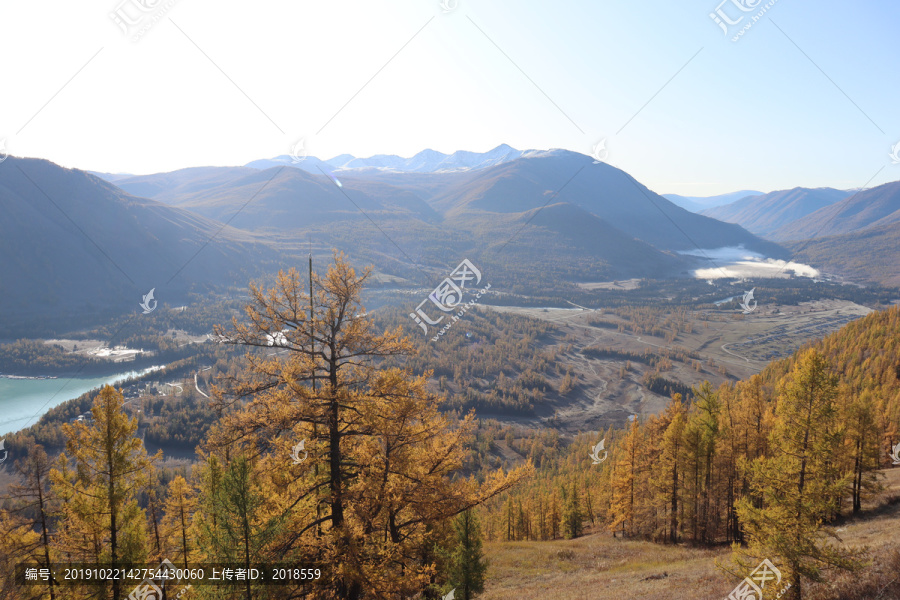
pixel 798 484
pixel 356 456
pixel 104 525
pixel 181 502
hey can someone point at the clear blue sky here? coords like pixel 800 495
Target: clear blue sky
pixel 683 108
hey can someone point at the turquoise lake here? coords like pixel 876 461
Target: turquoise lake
pixel 23 401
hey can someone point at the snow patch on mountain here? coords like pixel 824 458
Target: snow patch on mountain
pixel 426 161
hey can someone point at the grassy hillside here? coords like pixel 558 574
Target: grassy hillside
pixel 672 479
pixel 600 566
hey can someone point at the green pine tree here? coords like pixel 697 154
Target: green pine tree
pixel 573 518
pixel 798 486
pixel 234 527
pixel 467 565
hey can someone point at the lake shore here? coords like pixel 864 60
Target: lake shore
pixel 23 400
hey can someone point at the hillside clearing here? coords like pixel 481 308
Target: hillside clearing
pixel 600 566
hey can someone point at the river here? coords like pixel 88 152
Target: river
pixel 23 401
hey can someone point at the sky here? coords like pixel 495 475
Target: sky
pixel 807 96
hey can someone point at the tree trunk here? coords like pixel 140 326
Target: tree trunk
pixel 857 478
pixel 46 541
pixel 673 517
pixel 796 593
pixel 111 498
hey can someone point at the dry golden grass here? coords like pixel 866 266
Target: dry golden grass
pixel 598 566
pixel 879 525
pixel 877 529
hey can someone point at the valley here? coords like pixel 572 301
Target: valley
pixel 724 347
pixel 449 300
pixel 668 344
pixel 601 319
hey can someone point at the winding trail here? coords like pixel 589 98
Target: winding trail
pixel 723 347
pixel 197 387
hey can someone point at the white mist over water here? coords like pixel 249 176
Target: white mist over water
pixel 738 262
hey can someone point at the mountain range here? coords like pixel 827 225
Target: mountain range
pixel 861 210
pixel 438 215
pixel 534 221
pixel 700 203
pixel 75 244
pixel 853 233
pixel 426 161
pixel 770 213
